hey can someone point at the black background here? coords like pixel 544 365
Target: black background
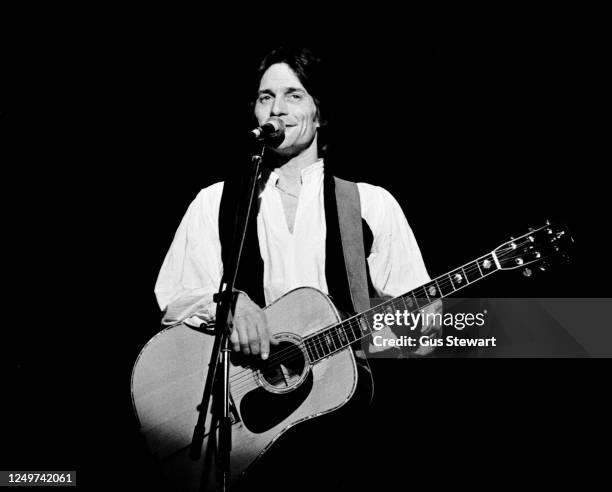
pixel 481 124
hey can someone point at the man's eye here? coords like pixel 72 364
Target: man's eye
pixel 264 98
pixel 296 97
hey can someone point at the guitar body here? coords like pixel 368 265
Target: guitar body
pixel 270 397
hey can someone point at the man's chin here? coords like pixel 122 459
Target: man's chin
pixel 285 151
pixel 288 150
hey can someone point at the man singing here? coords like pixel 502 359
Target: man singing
pixel 295 239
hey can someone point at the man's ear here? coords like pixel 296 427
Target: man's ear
pixel 318 119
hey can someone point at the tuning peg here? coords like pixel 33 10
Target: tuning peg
pixel 527 272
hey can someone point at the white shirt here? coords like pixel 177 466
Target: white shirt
pixel 192 269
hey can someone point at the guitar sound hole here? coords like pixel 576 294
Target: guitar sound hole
pixel 261 410
pixel 284 368
pixel 285 381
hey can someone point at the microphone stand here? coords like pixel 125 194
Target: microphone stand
pixel 218 373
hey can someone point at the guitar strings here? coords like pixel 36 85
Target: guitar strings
pixel 298 350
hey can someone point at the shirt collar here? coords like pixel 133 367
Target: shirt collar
pixel 310 173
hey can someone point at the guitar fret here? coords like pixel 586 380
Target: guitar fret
pixel 338 337
pixel 404 302
pixel 341 335
pixel 332 333
pixel 487 264
pixel 324 343
pixel 426 294
pixel 350 335
pixel 472 272
pixel 329 338
pixel 345 339
pixel 408 302
pixel 440 294
pixel 363 320
pixel 432 290
pixel 317 347
pixel 354 327
pixel 309 351
pixel 452 284
pixel 479 269
pixel 346 335
pixel 457 278
pixel 327 342
pixel 446 285
pixel 395 305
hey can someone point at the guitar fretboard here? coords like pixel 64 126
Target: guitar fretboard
pixel 324 343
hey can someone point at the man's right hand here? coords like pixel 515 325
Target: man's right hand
pixel 250 331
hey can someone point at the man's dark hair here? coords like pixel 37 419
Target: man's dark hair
pixel 309 69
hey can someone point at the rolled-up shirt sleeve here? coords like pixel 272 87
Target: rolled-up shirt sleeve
pixel 395 261
pixel 192 269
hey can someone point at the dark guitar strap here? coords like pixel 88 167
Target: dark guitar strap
pixel 351 234
pixel 343 216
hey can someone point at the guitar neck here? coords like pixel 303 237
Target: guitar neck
pixel 323 343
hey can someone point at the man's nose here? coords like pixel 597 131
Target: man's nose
pixel 279 107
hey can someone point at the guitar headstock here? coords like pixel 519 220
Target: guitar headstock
pixel 535 247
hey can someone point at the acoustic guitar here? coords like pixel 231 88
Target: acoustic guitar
pixel 311 372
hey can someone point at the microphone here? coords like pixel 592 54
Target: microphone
pixel 272 129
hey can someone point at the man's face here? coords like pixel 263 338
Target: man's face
pixel 282 94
